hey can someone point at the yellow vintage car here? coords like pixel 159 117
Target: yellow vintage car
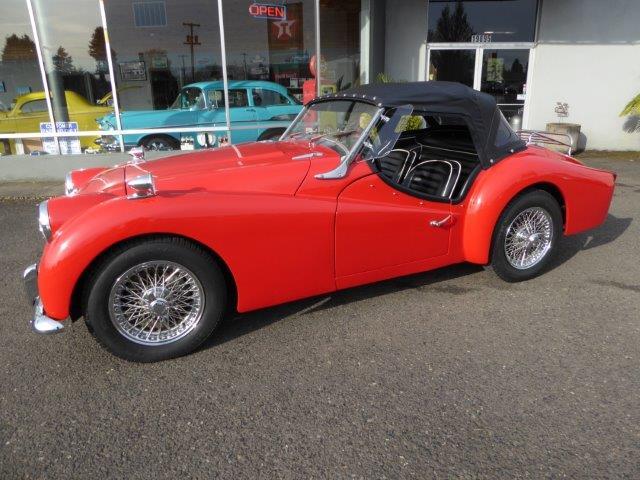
pixel 31 109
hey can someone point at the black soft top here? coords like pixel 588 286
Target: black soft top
pixel 492 135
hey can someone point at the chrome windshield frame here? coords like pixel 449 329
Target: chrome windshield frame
pixel 341 170
pixel 293 122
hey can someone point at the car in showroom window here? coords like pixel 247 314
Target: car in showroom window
pixel 202 105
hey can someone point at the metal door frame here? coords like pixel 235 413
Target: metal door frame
pixel 479 49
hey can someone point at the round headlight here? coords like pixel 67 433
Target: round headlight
pixel 44 225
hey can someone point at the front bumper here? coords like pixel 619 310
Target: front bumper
pixel 40 323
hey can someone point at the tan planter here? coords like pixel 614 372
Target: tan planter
pixel 571 129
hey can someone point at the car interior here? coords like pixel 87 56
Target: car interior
pixel 437 160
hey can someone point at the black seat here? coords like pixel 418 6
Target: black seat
pixel 396 163
pixel 433 177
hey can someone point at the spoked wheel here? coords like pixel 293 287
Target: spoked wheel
pixel 156 299
pixel 155 303
pixel 526 236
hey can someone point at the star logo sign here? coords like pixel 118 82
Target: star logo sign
pixel 284 29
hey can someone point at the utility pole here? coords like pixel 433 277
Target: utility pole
pixel 192 40
pixel 244 61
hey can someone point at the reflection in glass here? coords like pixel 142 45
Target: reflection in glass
pixel 274 50
pixel 165 53
pixel 486 21
pixel 339 44
pixel 72 43
pixel 504 75
pixel 20 80
pixel 453 66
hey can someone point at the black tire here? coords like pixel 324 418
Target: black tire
pixel 179 251
pixel 271 134
pixel 538 199
pixel 159 143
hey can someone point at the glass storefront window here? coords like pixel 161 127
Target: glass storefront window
pixel 481 22
pixel 339 44
pixel 268 64
pixel 22 102
pixel 453 66
pixel 167 57
pixel 504 75
pixel 72 42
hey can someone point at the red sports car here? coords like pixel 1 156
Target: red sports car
pixel 376 182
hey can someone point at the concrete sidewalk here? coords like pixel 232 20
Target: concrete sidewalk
pixel 53 168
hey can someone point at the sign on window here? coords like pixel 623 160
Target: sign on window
pixel 68 145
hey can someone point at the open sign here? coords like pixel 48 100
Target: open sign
pixel 266 10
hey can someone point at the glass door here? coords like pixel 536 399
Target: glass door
pixel 453 65
pixel 501 72
pixel 504 75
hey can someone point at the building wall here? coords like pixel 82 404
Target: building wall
pixel 588 55
pixel 406 39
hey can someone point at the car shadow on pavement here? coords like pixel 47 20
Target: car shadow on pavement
pixel 608 232
pixel 242 324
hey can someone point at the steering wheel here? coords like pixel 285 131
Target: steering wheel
pixel 330 141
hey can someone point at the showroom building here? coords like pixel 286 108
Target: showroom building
pixel 130 63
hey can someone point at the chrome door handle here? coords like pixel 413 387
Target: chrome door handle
pixel 440 223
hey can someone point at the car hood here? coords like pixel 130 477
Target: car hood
pixel 260 167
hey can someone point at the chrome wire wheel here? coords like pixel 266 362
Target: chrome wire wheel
pixel 156 302
pixel 529 238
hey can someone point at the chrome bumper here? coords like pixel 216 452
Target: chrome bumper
pixel 40 323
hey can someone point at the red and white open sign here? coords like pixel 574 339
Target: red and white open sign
pixel 267 10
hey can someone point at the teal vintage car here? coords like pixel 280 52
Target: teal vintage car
pixel 262 110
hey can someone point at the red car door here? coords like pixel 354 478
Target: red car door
pixel 378 227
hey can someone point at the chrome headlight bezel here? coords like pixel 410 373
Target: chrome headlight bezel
pixel 44 224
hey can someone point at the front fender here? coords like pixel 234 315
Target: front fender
pixel 277 247
pixel 586 193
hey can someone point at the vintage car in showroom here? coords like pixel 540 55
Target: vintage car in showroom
pixel 262 109
pixel 31 109
pixel 365 185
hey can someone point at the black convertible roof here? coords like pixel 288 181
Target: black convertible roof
pixel 493 137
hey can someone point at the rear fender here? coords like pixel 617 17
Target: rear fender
pixel 585 193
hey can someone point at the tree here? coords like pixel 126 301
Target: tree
pixel 98 46
pixel 453 64
pixel 453 27
pixel 632 108
pixel 19 48
pixel 62 61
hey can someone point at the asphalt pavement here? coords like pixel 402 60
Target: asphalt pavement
pixel 447 374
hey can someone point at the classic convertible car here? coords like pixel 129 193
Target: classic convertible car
pixel 373 183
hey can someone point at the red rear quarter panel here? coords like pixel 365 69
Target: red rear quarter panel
pixel 586 191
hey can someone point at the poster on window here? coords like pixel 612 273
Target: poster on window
pixel 133 71
pixel 495 70
pixel 68 145
pixel 286 34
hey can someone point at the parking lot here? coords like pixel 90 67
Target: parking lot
pixel 447 374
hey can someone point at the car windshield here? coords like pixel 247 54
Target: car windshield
pixel 190 98
pixel 338 124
